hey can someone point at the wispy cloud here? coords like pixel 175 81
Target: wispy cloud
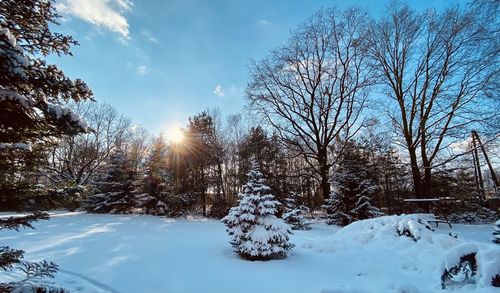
pixel 149 36
pixel 106 13
pixel 125 5
pixel 263 22
pixel 219 91
pixel 142 70
pixel 230 91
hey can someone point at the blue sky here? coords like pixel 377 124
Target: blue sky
pixel 161 61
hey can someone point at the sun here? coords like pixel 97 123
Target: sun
pixel 175 134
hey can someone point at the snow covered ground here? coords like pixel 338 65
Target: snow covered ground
pixel 129 253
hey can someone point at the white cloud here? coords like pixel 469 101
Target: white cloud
pixel 125 5
pixel 149 36
pixel 219 91
pixel 263 22
pixel 106 13
pixel 142 70
pixel 231 91
pixel 123 41
pixel 461 146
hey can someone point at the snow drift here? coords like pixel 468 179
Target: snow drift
pixel 410 242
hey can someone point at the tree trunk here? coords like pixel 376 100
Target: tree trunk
pixel 203 193
pixel 427 182
pixel 415 172
pixel 324 173
pixel 386 193
pixel 221 179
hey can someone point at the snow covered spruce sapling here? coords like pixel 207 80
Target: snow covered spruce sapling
pixel 294 213
pixel 496 232
pixel 256 233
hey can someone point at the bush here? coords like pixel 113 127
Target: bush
pixel 471 263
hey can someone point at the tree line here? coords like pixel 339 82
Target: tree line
pixel 393 95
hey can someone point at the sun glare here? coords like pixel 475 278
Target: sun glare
pixel 175 134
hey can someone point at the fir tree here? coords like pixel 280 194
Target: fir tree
pixel 157 181
pixel 256 233
pixel 496 232
pixel 115 188
pixel 219 207
pixel 294 213
pixel 354 184
pixel 33 95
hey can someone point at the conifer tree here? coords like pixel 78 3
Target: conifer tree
pixel 294 213
pixel 219 207
pixel 157 181
pixel 354 184
pixel 33 95
pixel 115 188
pixel 256 233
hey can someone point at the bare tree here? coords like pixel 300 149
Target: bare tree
pixel 439 69
pixel 77 158
pixel 137 144
pixel 312 90
pixel 218 149
pixel 234 134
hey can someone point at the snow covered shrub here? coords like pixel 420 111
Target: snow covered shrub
pixel 386 229
pixel 256 233
pixel 464 271
pixel 413 229
pixel 474 263
pixel 482 215
pixel 354 184
pixel 496 232
pixel 294 212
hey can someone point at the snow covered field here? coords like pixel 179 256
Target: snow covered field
pixel 130 253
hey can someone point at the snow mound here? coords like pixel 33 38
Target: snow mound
pixel 386 229
pixel 471 262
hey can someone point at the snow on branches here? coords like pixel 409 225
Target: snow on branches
pixel 256 233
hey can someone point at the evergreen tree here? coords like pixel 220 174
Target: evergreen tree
pixel 33 94
pixel 354 184
pixel 157 182
pixel 267 151
pixel 496 232
pixel 115 188
pixel 219 207
pixel 294 213
pixel 256 233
